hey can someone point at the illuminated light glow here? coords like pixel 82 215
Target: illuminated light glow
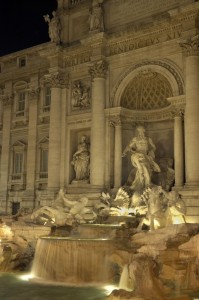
pixel 156 224
pixel 110 288
pixel 177 219
pixel 26 277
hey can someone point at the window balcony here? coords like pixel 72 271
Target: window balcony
pixel 17 181
pixel 43 175
pixel 20 118
pixel 44 115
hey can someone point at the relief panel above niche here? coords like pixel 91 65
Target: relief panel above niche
pixel 122 12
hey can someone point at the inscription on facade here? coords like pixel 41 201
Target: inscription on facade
pixel 133 44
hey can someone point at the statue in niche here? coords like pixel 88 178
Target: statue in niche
pixel 142 151
pixel 96 19
pixel 80 95
pixel 54 27
pixel 81 160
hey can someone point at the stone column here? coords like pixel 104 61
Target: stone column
pixel 33 95
pixel 191 51
pixel 7 113
pixel 118 154
pixel 57 81
pixel 97 165
pixel 65 96
pixel 179 149
pixel 107 162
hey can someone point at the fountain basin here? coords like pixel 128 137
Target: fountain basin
pixel 94 231
pixel 74 260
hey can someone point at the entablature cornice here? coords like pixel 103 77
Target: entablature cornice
pixel 127 115
pixel 77 57
pixel 79 118
pixel 144 39
pixel 159 32
pixel 177 100
pixel 52 50
pixel 95 40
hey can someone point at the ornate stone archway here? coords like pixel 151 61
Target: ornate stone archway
pixel 166 69
pixel 148 92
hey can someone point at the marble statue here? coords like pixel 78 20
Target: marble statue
pixel 80 95
pixel 142 151
pixel 103 207
pixel 123 202
pixel 54 28
pixel 162 208
pixel 81 160
pixel 62 212
pixel 96 17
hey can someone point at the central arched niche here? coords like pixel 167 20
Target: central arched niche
pixel 148 90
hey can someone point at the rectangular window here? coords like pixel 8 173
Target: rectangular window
pixel 18 163
pixel 44 160
pixel 47 99
pixel 21 103
pixel 22 62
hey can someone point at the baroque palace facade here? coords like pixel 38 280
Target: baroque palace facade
pixel 109 66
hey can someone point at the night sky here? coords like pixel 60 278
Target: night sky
pixel 22 24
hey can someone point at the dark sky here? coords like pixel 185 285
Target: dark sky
pixel 22 24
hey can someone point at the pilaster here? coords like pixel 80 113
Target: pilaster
pixel 98 74
pixel 118 153
pixel 7 100
pixel 191 52
pixel 33 95
pixel 58 81
pixel 178 149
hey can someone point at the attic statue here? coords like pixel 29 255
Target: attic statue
pixel 54 28
pixel 96 18
pixel 142 153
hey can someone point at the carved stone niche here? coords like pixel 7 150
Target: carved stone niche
pixel 81 95
pixel 80 157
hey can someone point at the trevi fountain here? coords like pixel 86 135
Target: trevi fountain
pixel 135 240
pixel 99 143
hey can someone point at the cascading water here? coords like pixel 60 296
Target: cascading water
pixel 73 260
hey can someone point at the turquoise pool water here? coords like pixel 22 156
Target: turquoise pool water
pixel 12 287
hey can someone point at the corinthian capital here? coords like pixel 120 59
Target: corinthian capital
pixel 191 46
pixel 58 79
pixel 7 99
pixel 99 69
pixel 33 94
pixel 177 112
